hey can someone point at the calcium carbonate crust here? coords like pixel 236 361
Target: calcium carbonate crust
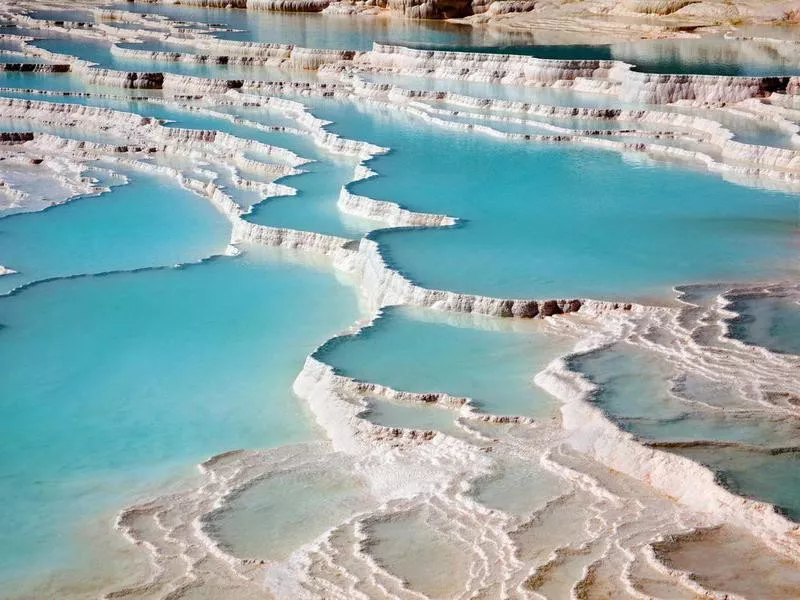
pixel 406 469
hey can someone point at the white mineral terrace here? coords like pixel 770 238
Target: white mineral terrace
pixel 620 505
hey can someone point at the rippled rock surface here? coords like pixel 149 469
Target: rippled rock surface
pixel 290 315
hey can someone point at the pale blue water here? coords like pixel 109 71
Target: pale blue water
pixel 62 82
pixel 125 229
pixel 534 228
pixel 313 30
pixel 772 478
pixel 634 392
pixel 700 56
pixel 280 513
pixel 265 115
pixel 770 322
pixel 633 385
pixel 113 383
pixel 746 130
pixel 82 16
pixel 314 206
pixel 99 52
pixel 651 400
pixel 422 352
pixel 312 209
pixel 704 56
pixel 14 57
pixel 7 44
pixel 412 416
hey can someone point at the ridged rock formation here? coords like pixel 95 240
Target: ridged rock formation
pixel 620 505
pixel 415 9
pixel 429 9
pixel 34 68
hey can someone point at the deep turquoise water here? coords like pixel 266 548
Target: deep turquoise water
pixel 113 383
pixel 549 220
pixel 421 352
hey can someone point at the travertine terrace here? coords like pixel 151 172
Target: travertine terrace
pixel 623 510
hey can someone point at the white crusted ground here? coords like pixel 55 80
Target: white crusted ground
pixel 619 513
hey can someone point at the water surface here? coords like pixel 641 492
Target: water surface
pixel 124 229
pixel 416 351
pixel 622 227
pixel 771 322
pixel 114 384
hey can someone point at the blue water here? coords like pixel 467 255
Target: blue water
pixel 314 30
pixel 704 56
pixel 421 352
pixel 771 322
pixel 62 82
pixel 548 220
pixel 116 384
pixel 314 206
pixel 113 383
pixel 13 57
pixel 634 392
pixel 648 398
pixel 82 16
pixel 412 416
pixel 99 52
pixel 700 56
pixel 746 221
pixel 312 209
pixel 767 477
pixel 128 228
pixel 9 44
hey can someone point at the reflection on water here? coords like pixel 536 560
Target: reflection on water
pixel 707 56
